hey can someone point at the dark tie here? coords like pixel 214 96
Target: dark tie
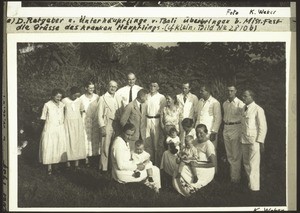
pixel 184 99
pixel 141 108
pixel 246 108
pixel 130 94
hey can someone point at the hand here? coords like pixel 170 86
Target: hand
pixel 213 136
pixel 140 166
pixel 103 131
pixel 262 147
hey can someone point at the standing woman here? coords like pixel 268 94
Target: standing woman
pixel 52 148
pixel 90 124
pixel 171 114
pixel 74 127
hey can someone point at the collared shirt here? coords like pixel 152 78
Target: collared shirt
pixel 155 104
pixel 233 110
pixel 254 125
pixel 189 105
pixel 209 113
pixel 124 93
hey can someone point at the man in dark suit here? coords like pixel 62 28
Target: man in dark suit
pixel 135 113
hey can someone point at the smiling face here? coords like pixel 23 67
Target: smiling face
pixel 169 101
pixel 186 88
pixel 90 89
pixel 247 98
pixel 112 87
pixel 204 93
pixel 127 135
pixel 201 134
pixel 56 98
pixel 154 88
pixel 131 79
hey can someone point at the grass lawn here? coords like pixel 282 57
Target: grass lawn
pixel 89 188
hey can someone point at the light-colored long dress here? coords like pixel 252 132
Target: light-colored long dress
pixel 123 167
pixel 53 141
pixel 74 129
pixel 172 118
pixel 90 124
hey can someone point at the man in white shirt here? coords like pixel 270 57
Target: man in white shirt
pixel 208 112
pixel 110 109
pixel 254 130
pixel 188 102
pixel 155 103
pixel 232 132
pixel 129 92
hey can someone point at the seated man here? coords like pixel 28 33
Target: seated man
pixel 123 166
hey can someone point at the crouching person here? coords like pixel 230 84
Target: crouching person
pixel 124 168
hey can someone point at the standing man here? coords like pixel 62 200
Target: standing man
pixel 129 92
pixel 155 103
pixel 232 132
pixel 135 113
pixel 254 130
pixel 188 102
pixel 208 112
pixel 110 108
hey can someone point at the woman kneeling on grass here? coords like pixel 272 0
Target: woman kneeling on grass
pixel 123 167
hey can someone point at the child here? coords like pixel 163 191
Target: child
pixel 173 141
pixel 141 156
pixel 53 141
pixel 188 154
pixel 76 149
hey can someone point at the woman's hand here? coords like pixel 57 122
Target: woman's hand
pixel 140 166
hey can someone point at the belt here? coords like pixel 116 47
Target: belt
pixel 156 116
pixel 232 123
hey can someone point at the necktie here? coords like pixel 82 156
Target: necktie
pixel 130 94
pixel 184 99
pixel 246 108
pixel 141 108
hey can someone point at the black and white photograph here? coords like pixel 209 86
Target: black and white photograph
pixel 149 121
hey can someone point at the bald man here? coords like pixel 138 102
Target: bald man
pixel 129 92
pixel 110 107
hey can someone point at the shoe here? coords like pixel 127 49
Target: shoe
pixel 150 179
pixel 195 180
pixel 136 174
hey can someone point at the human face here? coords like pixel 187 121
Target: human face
pixel 139 149
pixel 90 89
pixel 247 98
pixel 127 135
pixel 143 99
pixel 231 92
pixel 186 89
pixel 188 143
pixel 74 96
pixel 57 97
pixel 131 80
pixel 173 135
pixel 201 135
pixel 204 93
pixel 112 88
pixel 185 128
pixel 154 88
pixel 169 101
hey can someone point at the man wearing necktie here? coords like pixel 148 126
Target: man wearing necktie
pixel 129 92
pixel 135 113
pixel 233 108
pixel 254 130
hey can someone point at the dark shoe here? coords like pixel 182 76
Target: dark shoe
pixel 150 179
pixel 136 174
pixel 195 180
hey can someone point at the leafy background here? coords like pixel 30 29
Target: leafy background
pixel 260 66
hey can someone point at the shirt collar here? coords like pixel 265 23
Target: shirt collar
pixel 108 95
pixel 234 100
pixel 250 105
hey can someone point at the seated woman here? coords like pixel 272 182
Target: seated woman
pixel 205 167
pixel 123 167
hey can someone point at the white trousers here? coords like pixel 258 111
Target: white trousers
pixel 152 144
pixel 105 145
pixel 251 161
pixel 233 146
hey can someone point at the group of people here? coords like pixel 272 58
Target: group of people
pixel 139 133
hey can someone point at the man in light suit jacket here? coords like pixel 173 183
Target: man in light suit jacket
pixel 188 102
pixel 254 130
pixel 110 107
pixel 135 113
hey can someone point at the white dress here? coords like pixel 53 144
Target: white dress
pixel 123 167
pixel 53 141
pixel 90 124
